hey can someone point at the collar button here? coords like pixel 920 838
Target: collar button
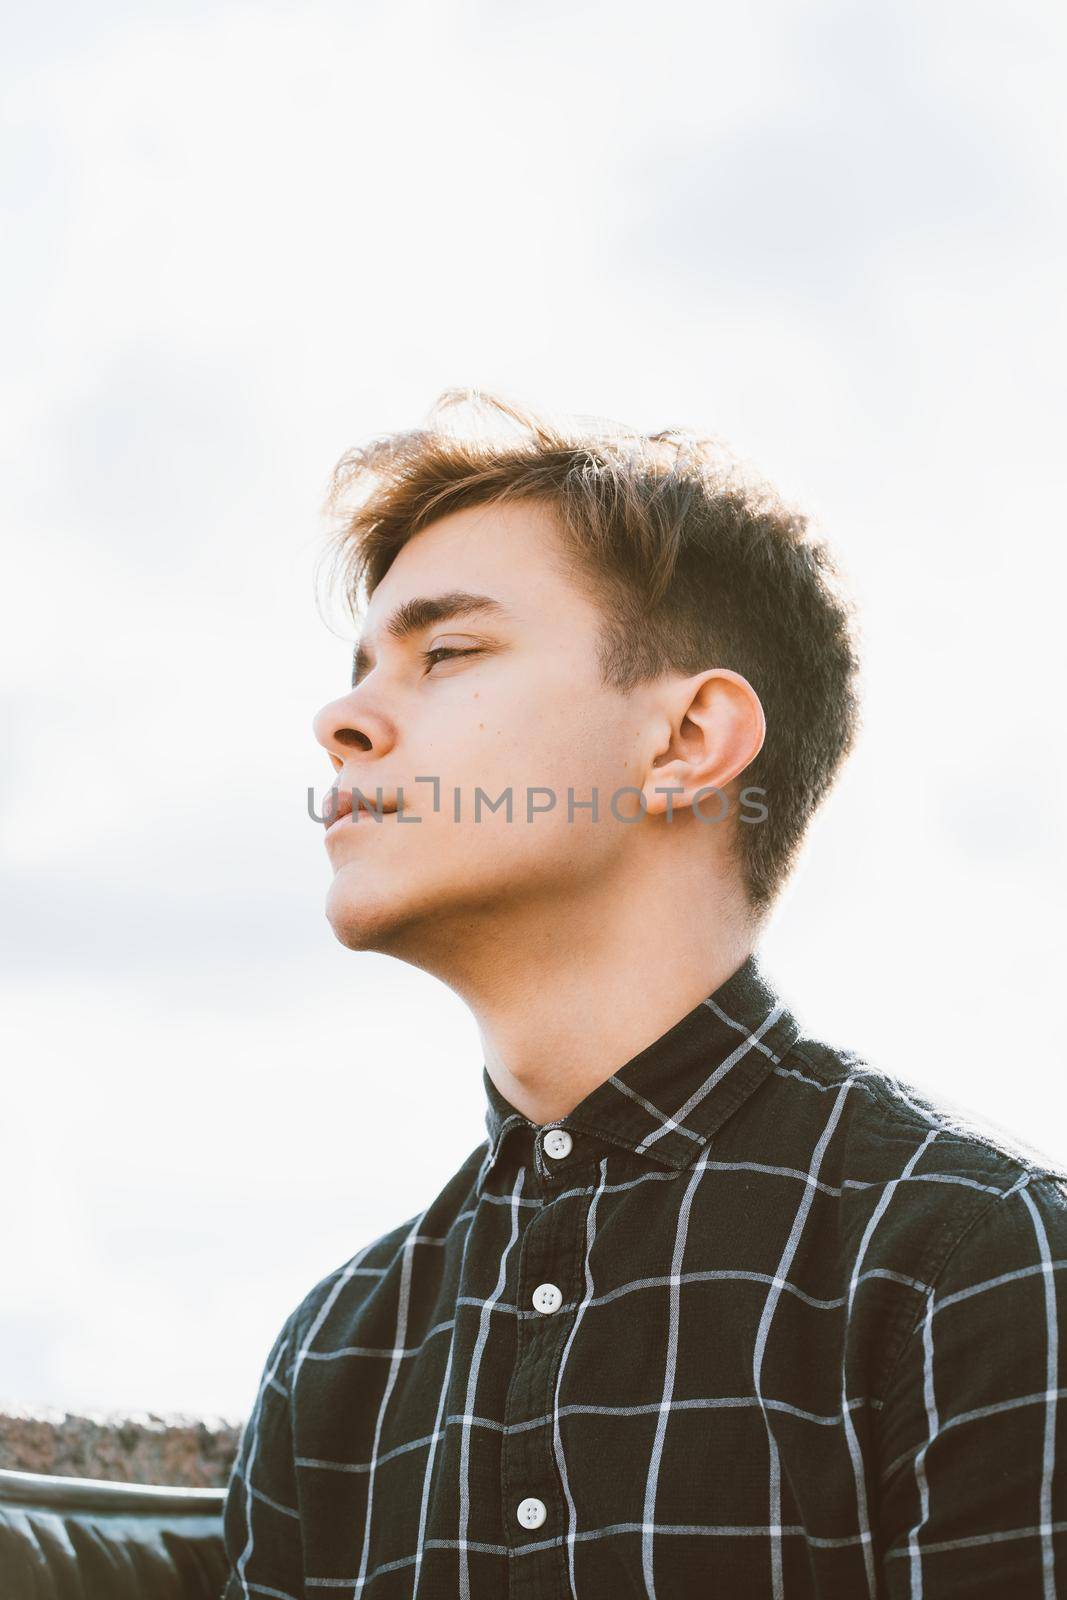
pixel 557 1144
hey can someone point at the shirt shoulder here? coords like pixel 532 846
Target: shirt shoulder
pixel 911 1172
pixel 967 1425
pixel 891 1112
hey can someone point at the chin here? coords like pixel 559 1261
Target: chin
pixel 421 924
pixel 389 918
pixel 360 921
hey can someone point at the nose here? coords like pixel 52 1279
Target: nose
pixel 348 724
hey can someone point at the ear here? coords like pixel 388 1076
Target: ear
pixel 717 728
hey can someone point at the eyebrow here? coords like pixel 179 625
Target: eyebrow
pixel 412 616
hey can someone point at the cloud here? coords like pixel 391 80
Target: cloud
pixel 247 236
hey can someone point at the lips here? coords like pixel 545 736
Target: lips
pixel 338 804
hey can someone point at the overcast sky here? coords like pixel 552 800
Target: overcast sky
pixel 242 238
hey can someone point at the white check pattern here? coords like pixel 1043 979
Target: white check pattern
pixel 809 1345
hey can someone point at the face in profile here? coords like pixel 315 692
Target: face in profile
pixel 508 696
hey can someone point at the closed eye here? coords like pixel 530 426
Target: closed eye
pixel 442 652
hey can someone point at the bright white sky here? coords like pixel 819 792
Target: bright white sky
pixel 243 237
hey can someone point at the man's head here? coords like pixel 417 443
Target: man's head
pixel 637 615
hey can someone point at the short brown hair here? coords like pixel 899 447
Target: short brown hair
pixel 693 561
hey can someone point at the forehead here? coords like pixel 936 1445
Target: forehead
pixel 512 552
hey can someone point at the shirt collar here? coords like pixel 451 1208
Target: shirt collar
pixel 669 1099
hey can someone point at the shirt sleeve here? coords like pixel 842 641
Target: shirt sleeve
pixel 261 1521
pixel 973 1426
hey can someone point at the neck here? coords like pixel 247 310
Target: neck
pixel 568 996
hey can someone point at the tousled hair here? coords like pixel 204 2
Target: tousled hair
pixel 693 561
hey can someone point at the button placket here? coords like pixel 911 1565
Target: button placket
pixel 548 1268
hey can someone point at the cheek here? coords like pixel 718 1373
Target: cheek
pixel 586 748
pixel 566 736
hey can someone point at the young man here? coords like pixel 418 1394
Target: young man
pixel 717 1308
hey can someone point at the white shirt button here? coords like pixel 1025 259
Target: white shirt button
pixel 547 1298
pixel 558 1143
pixel 531 1513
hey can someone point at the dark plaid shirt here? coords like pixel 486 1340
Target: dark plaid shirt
pixel 773 1325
